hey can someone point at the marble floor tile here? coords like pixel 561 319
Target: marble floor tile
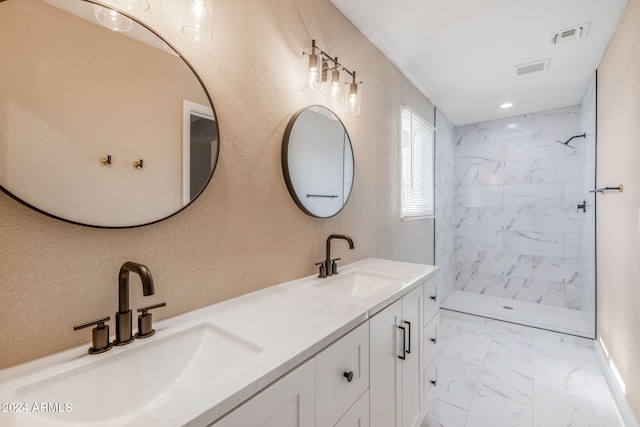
pixel 554 408
pixel 446 330
pixel 468 348
pixel 609 415
pixel 457 381
pixel 509 377
pixel 443 414
pixel 489 409
pixel 499 374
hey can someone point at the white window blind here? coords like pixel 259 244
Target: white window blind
pixel 417 166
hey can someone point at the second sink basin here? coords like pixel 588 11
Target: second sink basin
pixel 358 288
pixel 121 387
pixel 357 284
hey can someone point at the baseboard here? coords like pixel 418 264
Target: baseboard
pixel 626 413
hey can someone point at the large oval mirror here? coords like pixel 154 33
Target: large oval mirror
pixel 102 123
pixel 317 161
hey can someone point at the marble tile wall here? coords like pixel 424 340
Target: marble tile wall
pixel 445 202
pixel 587 292
pixel 518 233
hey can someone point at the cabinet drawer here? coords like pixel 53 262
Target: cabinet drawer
pixel 430 298
pixel 430 337
pixel 430 381
pixel 289 402
pixel 342 375
pixel 358 415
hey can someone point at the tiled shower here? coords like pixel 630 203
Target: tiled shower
pixel 510 235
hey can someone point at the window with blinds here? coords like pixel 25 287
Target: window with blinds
pixel 417 157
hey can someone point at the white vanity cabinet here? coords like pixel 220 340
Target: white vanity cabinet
pixel 289 402
pixel 342 375
pixel 328 390
pixel 430 337
pixel 396 379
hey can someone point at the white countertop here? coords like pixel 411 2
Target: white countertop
pixel 287 323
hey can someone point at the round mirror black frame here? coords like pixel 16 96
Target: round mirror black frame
pixel 217 148
pixel 285 161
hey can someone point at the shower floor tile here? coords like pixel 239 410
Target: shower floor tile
pixel 543 316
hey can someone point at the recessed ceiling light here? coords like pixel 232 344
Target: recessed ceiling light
pixel 506 105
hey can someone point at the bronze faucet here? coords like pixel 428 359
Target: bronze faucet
pixel 124 332
pixel 330 266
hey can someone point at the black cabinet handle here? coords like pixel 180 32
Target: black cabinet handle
pixel 433 340
pixel 409 324
pixel 433 382
pixel 348 376
pixel 433 297
pixel 404 343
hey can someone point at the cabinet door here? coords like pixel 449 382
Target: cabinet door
pixel 342 375
pixel 430 381
pixel 430 338
pixel 431 298
pixel 412 380
pixel 289 402
pixel 358 415
pixel 384 380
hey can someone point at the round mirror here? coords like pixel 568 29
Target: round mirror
pixel 317 161
pixel 102 123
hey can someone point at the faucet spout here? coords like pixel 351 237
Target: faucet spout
pixel 123 283
pixel 124 329
pixel 328 260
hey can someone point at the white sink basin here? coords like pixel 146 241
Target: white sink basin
pixel 356 284
pixel 116 388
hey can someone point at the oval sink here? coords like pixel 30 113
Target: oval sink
pixel 119 388
pixel 357 284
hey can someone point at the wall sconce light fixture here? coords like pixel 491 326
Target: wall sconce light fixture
pixel 197 20
pixel 106 160
pixel 111 19
pixel 139 164
pixel 325 74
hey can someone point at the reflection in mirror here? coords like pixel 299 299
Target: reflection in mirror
pixel 74 92
pixel 317 161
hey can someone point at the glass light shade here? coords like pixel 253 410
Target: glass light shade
pixel 313 71
pixel 134 5
pixel 197 20
pixel 352 99
pixel 111 19
pixel 334 87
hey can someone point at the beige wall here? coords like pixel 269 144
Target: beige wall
pixel 245 232
pixel 618 238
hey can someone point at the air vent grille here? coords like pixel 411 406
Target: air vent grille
pixel 532 67
pixel 573 33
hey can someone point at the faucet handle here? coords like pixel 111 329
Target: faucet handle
pixel 145 329
pixel 334 265
pixel 100 339
pixel 323 269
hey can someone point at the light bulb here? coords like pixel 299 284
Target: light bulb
pixel 198 20
pixel 352 101
pixel 334 95
pixel 313 81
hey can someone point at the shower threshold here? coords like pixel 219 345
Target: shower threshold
pixel 541 316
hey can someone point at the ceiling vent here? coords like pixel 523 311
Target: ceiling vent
pixel 573 33
pixel 532 67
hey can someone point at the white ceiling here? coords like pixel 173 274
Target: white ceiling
pixel 462 54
